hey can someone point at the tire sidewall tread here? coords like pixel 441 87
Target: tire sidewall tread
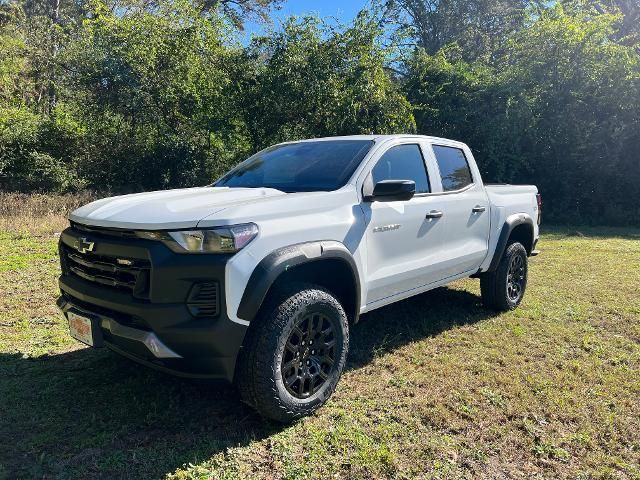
pixel 258 375
pixel 493 284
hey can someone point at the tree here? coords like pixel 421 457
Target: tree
pixel 238 11
pixel 628 28
pixel 153 87
pixel 580 91
pixel 312 80
pixel 456 99
pixel 28 119
pixel 479 27
pixel 561 109
pixel 127 95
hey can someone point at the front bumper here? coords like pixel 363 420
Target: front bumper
pixel 155 325
pixel 101 323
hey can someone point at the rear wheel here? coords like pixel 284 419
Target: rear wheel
pixel 294 354
pixel 504 288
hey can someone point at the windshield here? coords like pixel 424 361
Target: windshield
pixel 300 167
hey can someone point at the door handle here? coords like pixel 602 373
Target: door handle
pixel 478 209
pixel 433 214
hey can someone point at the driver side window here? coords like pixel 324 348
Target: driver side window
pixel 402 162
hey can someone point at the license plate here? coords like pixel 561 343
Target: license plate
pixel 80 328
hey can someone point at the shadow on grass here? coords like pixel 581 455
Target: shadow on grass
pixel 425 315
pixel 90 413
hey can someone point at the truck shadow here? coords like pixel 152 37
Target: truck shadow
pixel 415 318
pixel 90 413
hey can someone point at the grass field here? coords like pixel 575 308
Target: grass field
pixel 436 386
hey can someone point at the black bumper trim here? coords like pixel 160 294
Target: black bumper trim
pixel 202 349
pixel 162 368
pixel 207 344
pixel 149 339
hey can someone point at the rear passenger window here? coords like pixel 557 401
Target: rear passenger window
pixel 402 162
pixel 454 168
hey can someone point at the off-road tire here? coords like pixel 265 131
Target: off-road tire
pixel 495 286
pixel 259 378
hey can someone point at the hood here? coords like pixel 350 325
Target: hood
pixel 166 209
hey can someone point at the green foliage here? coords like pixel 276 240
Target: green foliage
pixel 561 109
pixel 130 95
pixel 319 81
pixel 154 90
pixel 28 147
pixel 579 93
pixel 12 58
pixel 479 27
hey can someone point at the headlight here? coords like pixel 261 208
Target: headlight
pixel 211 240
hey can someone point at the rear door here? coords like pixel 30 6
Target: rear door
pixel 463 228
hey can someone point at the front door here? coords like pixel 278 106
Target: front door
pixel 401 240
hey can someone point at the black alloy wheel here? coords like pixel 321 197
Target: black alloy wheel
pixel 309 355
pixel 515 278
pixel 504 288
pixel 294 352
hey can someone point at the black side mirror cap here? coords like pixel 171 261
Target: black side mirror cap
pixel 392 191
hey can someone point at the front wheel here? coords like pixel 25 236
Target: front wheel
pixel 294 354
pixel 504 288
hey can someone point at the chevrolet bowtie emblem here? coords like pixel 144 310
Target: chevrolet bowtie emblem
pixel 83 245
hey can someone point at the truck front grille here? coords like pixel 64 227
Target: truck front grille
pixel 131 275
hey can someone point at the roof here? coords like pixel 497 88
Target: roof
pixel 379 138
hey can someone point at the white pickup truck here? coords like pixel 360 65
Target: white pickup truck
pixel 257 277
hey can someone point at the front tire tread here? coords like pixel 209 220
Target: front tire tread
pixel 257 368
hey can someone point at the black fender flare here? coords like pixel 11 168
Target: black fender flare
pixel 279 261
pixel 510 223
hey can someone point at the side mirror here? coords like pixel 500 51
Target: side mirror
pixel 393 191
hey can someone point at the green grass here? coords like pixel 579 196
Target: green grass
pixel 436 386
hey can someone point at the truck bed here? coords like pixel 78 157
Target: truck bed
pixel 512 196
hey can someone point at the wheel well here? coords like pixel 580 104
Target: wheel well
pixel 333 274
pixel 523 234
